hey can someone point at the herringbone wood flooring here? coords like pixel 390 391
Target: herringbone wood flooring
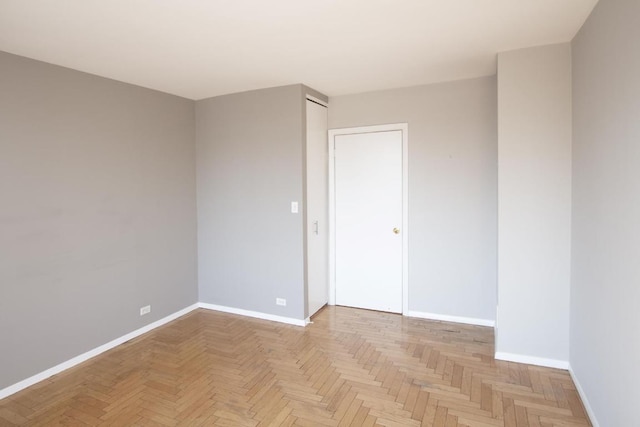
pixel 349 368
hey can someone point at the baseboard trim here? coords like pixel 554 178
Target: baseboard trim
pixel 532 360
pixel 454 319
pixel 583 397
pixel 12 389
pixel 254 314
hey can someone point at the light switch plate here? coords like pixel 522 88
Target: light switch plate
pixel 294 207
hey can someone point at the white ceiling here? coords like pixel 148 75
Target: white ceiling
pixel 203 48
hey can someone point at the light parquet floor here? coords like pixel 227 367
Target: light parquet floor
pixel 349 368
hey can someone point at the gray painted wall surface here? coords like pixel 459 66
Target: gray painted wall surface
pixel 452 188
pixel 249 170
pixel 605 285
pixel 534 201
pixel 97 212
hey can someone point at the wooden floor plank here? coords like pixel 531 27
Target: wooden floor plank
pixel 350 367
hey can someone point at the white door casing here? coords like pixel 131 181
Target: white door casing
pixel 367 201
pixel 317 199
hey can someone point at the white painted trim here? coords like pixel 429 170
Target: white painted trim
pixel 91 353
pixel 405 216
pixel 532 360
pixel 254 314
pixel 583 396
pixel 404 128
pixel 454 319
pixel 332 218
pixel 317 101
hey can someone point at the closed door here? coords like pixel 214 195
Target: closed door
pixel 317 208
pixel 368 220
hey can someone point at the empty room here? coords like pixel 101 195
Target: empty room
pixel 320 213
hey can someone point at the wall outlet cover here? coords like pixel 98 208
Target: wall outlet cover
pixel 281 301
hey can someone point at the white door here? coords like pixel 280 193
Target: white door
pixel 368 205
pixel 317 166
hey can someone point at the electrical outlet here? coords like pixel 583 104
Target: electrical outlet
pixel 281 301
pixel 145 310
pixel 294 207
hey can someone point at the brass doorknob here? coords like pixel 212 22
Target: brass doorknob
pixel 396 230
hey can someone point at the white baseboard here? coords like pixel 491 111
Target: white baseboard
pixel 583 396
pixel 532 360
pixel 255 314
pixel 455 319
pixel 91 353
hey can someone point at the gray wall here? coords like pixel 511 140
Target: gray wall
pixel 452 188
pixel 534 203
pixel 249 170
pixel 97 212
pixel 605 285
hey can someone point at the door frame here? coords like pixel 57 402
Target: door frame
pixel 307 236
pixel 404 128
